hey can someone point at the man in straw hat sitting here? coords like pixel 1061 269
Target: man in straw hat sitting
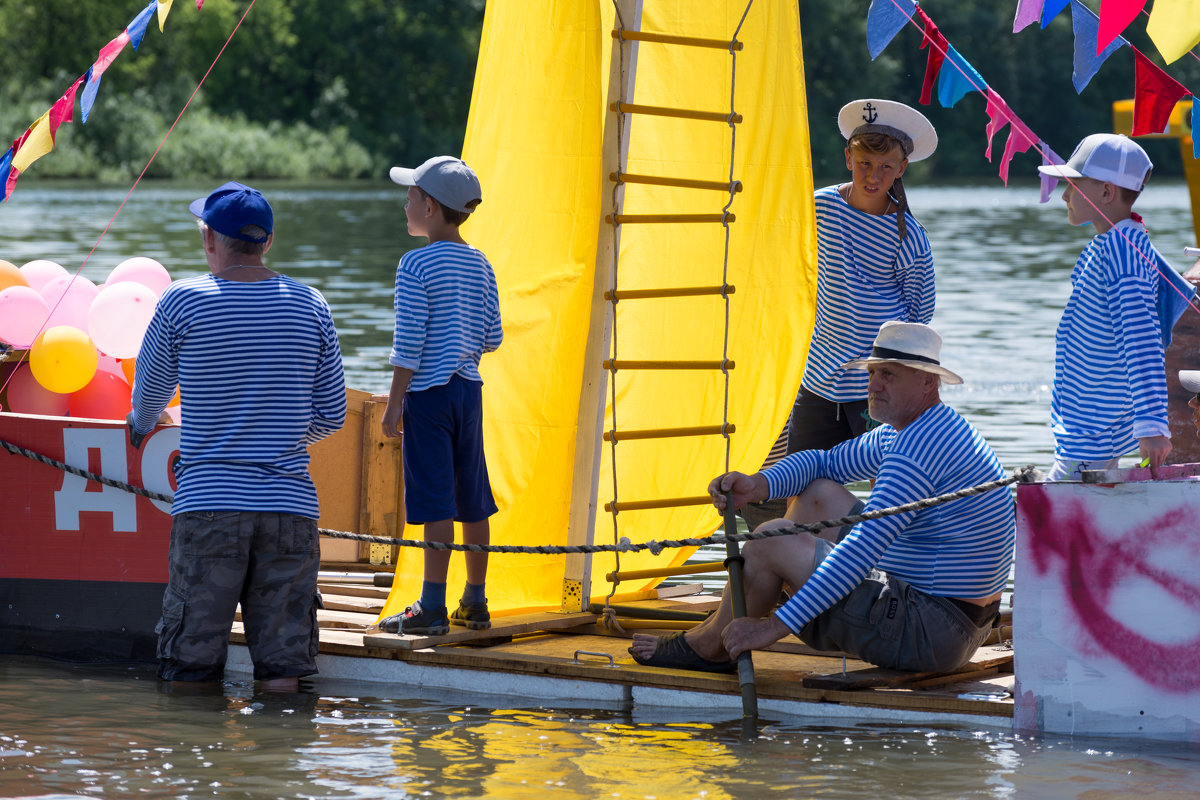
pixel 913 591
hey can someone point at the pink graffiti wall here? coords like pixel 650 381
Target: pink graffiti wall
pixel 1106 609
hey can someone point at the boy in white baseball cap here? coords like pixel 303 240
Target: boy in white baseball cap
pixel 1110 388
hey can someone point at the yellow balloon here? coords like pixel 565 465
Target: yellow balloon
pixel 63 359
pixel 11 275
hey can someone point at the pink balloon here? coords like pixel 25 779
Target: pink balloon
pixel 69 298
pixel 27 396
pixel 143 270
pixel 119 316
pixel 23 313
pixel 41 272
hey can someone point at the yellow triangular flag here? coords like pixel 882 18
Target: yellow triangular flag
pixel 38 142
pixel 1174 27
pixel 164 8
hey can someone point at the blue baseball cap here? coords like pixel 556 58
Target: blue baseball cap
pixel 232 207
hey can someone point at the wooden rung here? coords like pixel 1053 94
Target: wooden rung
pixel 664 38
pixel 666 433
pixel 624 219
pixel 665 572
pixel 666 502
pixel 678 291
pixel 685 183
pixel 679 113
pixel 631 364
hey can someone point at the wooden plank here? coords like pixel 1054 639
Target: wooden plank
pixel 370 606
pixel 986 657
pixel 517 625
pixel 352 590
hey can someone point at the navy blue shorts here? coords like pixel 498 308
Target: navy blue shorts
pixel 445 475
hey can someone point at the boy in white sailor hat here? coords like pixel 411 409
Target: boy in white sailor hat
pixel 873 265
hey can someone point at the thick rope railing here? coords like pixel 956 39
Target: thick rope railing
pixel 1026 474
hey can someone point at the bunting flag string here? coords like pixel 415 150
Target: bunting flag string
pixel 1158 90
pixel 38 139
pixel 1155 93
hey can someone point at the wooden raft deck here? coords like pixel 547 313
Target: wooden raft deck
pixel 575 647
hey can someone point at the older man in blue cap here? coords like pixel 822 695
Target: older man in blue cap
pixel 256 358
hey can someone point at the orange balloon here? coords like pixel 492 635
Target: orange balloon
pixel 11 275
pixel 129 366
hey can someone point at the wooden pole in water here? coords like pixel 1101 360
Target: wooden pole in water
pixel 737 596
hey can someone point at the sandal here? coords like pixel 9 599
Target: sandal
pixel 673 652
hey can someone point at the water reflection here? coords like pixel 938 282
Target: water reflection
pixel 72 731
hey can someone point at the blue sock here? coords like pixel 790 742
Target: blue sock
pixel 433 595
pixel 473 593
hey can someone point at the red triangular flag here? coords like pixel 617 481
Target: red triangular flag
pixel 61 111
pixel 1115 16
pixel 1154 96
pixel 938 47
pixel 11 183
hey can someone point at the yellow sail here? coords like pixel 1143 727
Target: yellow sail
pixel 540 136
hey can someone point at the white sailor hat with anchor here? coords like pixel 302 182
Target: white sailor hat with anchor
pixel 903 123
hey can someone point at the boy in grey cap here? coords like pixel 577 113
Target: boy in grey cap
pixel 447 317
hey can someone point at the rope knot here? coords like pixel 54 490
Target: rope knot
pixel 654 546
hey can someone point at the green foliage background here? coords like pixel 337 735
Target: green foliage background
pixel 344 88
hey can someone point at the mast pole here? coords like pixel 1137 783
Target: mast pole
pixel 581 521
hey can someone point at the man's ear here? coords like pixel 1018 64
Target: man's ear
pixel 270 241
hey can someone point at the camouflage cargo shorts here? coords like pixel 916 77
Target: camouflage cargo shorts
pixel 266 561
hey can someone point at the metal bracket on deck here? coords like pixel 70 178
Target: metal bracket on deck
pixel 578 653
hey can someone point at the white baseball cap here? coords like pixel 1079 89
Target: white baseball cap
pixel 1190 380
pixel 444 178
pixel 1109 157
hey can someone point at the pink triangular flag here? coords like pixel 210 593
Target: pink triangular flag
pixel 998 117
pixel 61 111
pixel 1115 16
pixel 1028 12
pixel 1020 139
pixel 109 53
pixel 1154 96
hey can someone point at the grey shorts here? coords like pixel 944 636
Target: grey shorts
pixel 886 622
pixel 266 561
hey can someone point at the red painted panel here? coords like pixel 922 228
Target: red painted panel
pixel 54 525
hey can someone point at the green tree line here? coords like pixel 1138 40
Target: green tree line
pixel 344 88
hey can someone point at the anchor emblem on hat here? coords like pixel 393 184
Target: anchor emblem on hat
pixel 870 116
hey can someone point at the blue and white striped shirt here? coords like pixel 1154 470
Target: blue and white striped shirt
pixel 865 277
pixel 1110 385
pixel 962 548
pixel 260 376
pixel 447 313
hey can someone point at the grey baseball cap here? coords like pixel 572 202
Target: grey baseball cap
pixel 444 178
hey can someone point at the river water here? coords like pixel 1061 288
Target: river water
pixel 69 731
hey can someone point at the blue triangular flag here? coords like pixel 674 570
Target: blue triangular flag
pixel 88 97
pixel 1195 122
pixel 137 28
pixel 1174 296
pixel 1050 10
pixel 957 78
pixel 1087 29
pixel 885 18
pixel 5 165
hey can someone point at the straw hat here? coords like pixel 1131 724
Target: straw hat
pixel 911 344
